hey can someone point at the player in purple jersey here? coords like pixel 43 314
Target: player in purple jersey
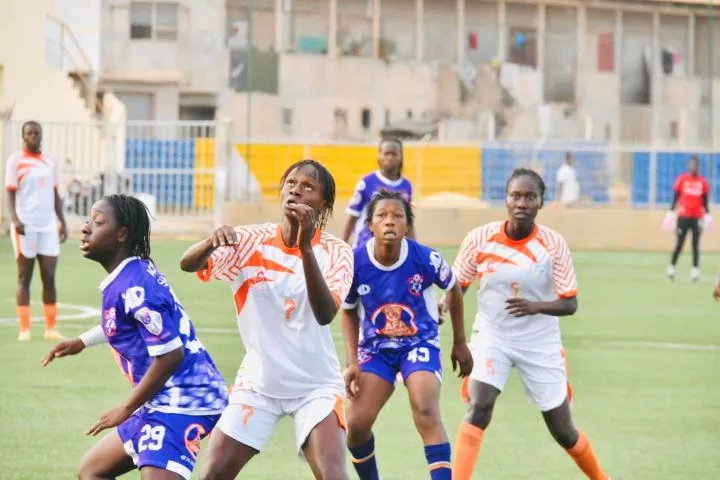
pixel 178 393
pixel 388 177
pixel 390 325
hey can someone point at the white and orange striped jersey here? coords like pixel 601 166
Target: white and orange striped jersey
pixel 537 268
pixel 288 354
pixel 34 177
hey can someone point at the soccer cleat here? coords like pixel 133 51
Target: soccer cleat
pixel 24 336
pixel 695 274
pixel 670 272
pixel 53 334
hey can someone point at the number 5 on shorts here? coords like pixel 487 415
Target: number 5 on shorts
pixel 419 354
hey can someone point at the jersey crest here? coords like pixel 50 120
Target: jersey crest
pixel 394 320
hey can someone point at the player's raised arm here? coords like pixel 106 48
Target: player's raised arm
pixel 196 257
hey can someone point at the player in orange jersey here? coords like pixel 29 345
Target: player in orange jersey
pixel 288 282
pixel 31 180
pixel 526 281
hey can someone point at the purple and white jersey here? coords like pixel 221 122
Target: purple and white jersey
pixel 396 304
pixel 364 191
pixel 142 319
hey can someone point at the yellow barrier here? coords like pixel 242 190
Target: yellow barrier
pixel 431 168
pixel 204 183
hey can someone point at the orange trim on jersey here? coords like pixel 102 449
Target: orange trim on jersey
pixel 339 409
pixel 519 245
pixel 206 275
pixel 258 260
pixel 242 293
pixel 465 390
pixel 278 242
pixel 336 297
pixel 493 257
pixel 11 188
pixel 571 294
pixel 570 394
pixel 28 153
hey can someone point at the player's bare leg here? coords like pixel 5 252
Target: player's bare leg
pixel 226 457
pixel 559 422
pixel 424 392
pixel 22 295
pixel 481 403
pixel 107 459
pixel 362 411
pixel 48 266
pixel 324 449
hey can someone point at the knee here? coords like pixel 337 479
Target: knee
pixel 334 470
pixel 565 435
pixel 359 426
pixel 426 416
pixel 48 282
pixel 479 413
pixel 85 471
pixel 24 279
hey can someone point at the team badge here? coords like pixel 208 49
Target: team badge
pixel 416 284
pixel 109 322
pixel 193 434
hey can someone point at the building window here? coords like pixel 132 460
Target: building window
pixel 366 119
pixel 153 21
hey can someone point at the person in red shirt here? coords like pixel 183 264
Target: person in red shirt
pixel 691 198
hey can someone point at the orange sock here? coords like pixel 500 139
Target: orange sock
pixel 467 448
pixel 585 458
pixel 50 316
pixel 23 313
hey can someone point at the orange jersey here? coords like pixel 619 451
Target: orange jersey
pixel 288 354
pixel 537 268
pixel 34 178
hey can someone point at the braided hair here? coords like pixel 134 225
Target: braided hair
pixel 327 182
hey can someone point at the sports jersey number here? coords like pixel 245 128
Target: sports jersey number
pixel 152 438
pixel 515 286
pixel 419 354
pixel 290 306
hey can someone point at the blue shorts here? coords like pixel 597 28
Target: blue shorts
pixel 386 363
pixel 170 441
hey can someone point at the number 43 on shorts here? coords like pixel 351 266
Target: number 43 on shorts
pixel 419 354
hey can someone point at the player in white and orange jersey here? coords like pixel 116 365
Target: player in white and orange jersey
pixel 31 180
pixel 526 281
pixel 288 282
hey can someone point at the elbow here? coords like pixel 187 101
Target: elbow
pixel 186 265
pixel 326 317
pixel 572 305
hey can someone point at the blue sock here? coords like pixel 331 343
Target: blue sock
pixel 438 459
pixel 363 459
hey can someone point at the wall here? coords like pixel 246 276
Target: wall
pixel 199 51
pixel 83 20
pixel 36 90
pixel 584 229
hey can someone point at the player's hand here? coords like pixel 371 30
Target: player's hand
pixel 352 378
pixel 111 419
pixel 442 309
pixel 63 232
pixel 224 237
pixel 461 355
pixel 304 215
pixel 19 228
pixel 716 291
pixel 707 222
pixel 669 221
pixel 72 346
pixel 519 307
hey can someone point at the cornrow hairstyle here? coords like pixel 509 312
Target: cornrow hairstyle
pixel 327 182
pixel 399 143
pixel 132 214
pixel 527 172
pixel 384 194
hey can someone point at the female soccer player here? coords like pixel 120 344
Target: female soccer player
pixel 31 181
pixel 288 281
pixel 178 394
pixel 691 197
pixel 527 280
pixel 389 177
pixel 392 291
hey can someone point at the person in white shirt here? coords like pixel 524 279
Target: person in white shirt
pixel 568 187
pixel 31 180
pixel 288 282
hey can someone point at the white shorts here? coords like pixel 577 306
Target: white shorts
pixel 251 417
pixel 33 244
pixel 543 369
